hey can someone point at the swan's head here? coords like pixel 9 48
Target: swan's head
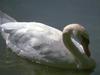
pixel 80 32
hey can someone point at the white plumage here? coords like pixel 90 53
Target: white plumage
pixel 37 41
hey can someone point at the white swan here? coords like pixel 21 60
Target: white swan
pixel 47 45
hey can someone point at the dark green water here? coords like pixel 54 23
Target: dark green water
pixel 56 13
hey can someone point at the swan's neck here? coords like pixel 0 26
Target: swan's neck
pixel 83 60
pixel 70 45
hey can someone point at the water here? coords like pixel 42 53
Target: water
pixel 14 65
pixel 57 14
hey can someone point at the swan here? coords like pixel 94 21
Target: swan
pixel 44 44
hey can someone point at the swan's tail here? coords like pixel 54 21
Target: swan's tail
pixel 4 18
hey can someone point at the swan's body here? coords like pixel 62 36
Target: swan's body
pixel 37 41
pixel 47 45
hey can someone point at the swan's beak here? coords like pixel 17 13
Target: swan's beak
pixel 87 51
pixel 86 48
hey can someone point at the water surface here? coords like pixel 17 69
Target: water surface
pixel 56 13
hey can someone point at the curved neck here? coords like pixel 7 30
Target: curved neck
pixel 70 45
pixel 83 60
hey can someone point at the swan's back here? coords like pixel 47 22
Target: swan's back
pixel 34 41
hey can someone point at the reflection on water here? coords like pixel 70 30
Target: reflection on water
pixel 11 64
